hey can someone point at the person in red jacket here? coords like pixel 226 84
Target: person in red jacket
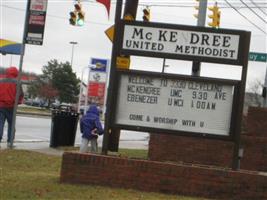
pixel 7 100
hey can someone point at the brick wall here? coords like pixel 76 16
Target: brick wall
pixel 190 150
pixel 216 152
pixel 257 122
pixel 255 153
pixel 162 177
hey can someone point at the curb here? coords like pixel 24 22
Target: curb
pixel 33 113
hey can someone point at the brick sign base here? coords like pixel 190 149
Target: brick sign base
pixel 173 148
pixel 171 178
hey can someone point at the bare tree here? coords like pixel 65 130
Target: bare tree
pixel 253 96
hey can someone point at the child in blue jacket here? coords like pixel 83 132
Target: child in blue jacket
pixel 90 127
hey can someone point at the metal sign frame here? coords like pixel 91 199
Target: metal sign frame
pixel 241 60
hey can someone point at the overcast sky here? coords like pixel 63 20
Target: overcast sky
pixel 92 41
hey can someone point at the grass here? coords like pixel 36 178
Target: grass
pixel 31 109
pixel 32 175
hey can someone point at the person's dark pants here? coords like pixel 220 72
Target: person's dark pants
pixel 6 114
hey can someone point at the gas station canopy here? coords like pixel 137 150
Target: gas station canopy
pixel 10 47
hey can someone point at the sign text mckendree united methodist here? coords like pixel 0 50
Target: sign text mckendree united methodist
pixel 181 42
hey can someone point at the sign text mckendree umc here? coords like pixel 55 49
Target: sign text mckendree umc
pixel 189 43
pixel 175 103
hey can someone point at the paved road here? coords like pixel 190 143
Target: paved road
pixel 34 132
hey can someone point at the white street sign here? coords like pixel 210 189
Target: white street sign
pixel 181 42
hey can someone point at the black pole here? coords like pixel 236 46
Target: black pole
pixel 163 65
pixel 237 150
pixel 196 68
pixel 18 86
pixel 112 138
pixel 112 78
pixel 131 8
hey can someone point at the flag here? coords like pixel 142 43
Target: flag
pixel 106 3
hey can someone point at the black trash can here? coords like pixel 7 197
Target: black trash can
pixel 63 127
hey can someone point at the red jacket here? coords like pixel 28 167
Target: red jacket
pixel 8 89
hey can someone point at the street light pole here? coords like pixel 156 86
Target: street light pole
pixel 18 86
pixel 81 90
pixel 72 51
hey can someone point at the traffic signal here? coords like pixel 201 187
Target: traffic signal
pixel 146 15
pixel 80 14
pixel 80 20
pixel 78 6
pixel 215 16
pixel 73 18
pixel 197 8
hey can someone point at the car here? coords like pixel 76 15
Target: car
pixel 64 106
pixel 83 109
pixel 34 102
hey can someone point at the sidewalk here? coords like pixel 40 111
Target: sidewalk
pixel 43 146
pixel 41 142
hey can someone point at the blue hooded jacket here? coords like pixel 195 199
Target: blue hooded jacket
pixel 89 122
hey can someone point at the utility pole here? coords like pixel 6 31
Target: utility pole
pixel 18 87
pixel 201 19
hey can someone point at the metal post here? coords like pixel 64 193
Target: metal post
pixel 106 90
pixel 202 13
pixel 11 58
pixel 111 81
pixel 80 96
pixel 265 86
pixel 86 94
pixel 81 85
pixel 19 75
pixel 201 20
pixel 130 9
pixel 87 85
pixel 241 96
pixel 72 51
pixel 164 65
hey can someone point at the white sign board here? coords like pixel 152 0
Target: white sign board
pixel 38 5
pixel 173 104
pixel 181 42
pixel 36 22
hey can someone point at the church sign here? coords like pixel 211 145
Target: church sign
pixel 183 42
pixel 169 103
